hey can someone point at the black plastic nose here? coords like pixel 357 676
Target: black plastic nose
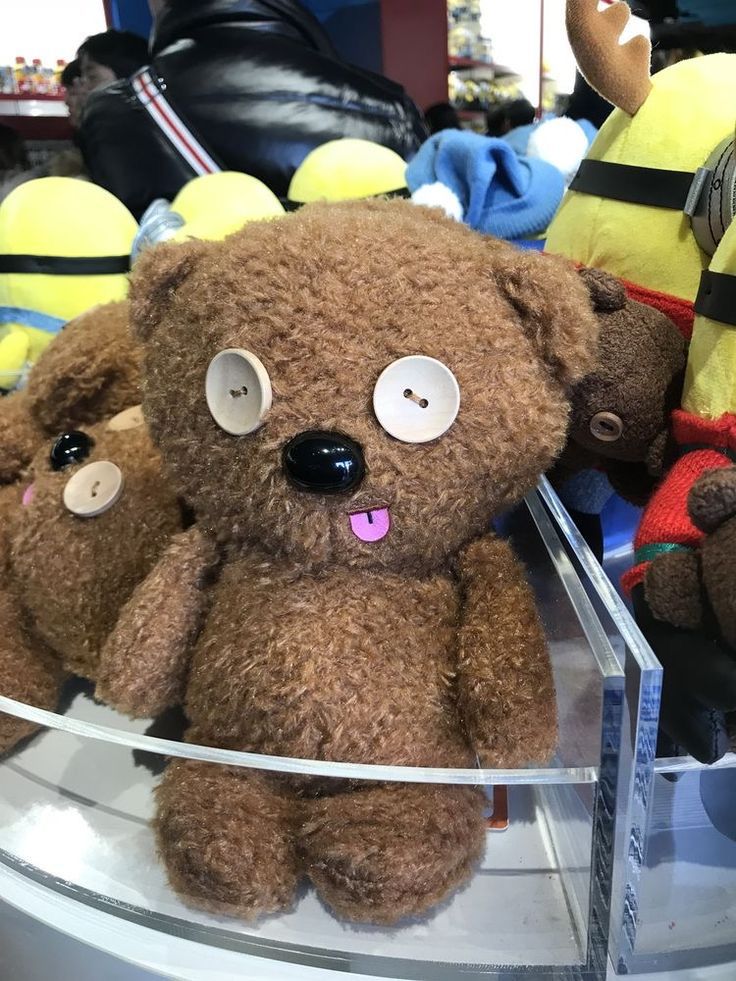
pixel 323 463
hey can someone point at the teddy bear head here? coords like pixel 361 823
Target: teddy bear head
pixel 93 522
pixel 363 384
pixel 621 410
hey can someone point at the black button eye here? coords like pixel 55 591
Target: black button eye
pixel 70 448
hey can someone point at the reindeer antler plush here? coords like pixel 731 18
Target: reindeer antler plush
pixel 618 72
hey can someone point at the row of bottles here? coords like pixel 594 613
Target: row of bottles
pixel 31 79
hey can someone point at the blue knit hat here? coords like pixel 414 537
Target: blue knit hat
pixel 481 181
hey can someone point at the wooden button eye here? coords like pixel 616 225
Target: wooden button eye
pixel 238 391
pixel 93 489
pixel 606 427
pixel 416 399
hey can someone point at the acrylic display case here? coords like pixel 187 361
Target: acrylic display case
pixel 76 801
pixel 674 897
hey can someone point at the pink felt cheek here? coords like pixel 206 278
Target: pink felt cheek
pixel 371 526
pixel 28 495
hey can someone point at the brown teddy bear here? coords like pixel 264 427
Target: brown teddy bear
pixel 90 372
pixel 92 524
pixel 347 397
pixel 619 422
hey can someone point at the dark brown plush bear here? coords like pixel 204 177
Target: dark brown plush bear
pixel 621 411
pixel 66 576
pixel 363 611
pixel 90 372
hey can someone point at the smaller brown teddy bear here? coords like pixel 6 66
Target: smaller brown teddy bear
pixel 620 413
pixel 90 372
pixel 347 397
pixel 92 524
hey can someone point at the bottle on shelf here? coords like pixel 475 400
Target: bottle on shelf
pixel 20 73
pixel 57 84
pixel 39 81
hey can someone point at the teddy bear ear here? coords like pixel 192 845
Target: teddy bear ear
pixel 555 309
pixel 607 293
pixel 157 275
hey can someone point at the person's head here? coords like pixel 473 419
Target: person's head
pixel 103 58
pixel 585 103
pixel 509 116
pixel 13 154
pixel 71 79
pixel 441 116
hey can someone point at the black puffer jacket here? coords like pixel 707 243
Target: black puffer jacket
pixel 258 82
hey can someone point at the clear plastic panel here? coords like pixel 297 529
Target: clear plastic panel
pixel 77 800
pixel 686 895
pixel 636 756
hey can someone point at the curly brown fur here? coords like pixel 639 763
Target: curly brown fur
pixel 673 591
pixel 227 837
pixel 387 853
pixel 712 500
pixel 139 670
pixel 27 671
pixel 507 695
pixel 317 643
pixel 73 574
pixel 21 435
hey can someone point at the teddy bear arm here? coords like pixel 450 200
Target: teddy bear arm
pixel 717 557
pixel 672 587
pixel 505 685
pixel 712 500
pixel 28 672
pixel 144 662
pixel 21 436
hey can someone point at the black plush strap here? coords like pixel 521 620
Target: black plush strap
pixel 716 297
pixel 634 185
pixel 57 265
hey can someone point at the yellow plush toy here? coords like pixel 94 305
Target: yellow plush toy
pixel 64 247
pixel 348 170
pixel 653 198
pixel 216 205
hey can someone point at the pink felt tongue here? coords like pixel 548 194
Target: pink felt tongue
pixel 28 494
pixel 371 526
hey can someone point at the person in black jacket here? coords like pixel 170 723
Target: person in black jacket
pixel 256 83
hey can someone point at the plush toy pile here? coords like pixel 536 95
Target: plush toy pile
pixel 650 205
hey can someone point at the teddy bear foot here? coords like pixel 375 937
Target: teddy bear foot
pixel 384 854
pixel 227 838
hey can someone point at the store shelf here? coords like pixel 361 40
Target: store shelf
pixel 468 64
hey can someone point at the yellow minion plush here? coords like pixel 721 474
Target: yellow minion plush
pixel 209 208
pixel 64 247
pixel 348 170
pixel 216 205
pixel 650 203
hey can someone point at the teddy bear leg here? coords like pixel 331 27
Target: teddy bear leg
pixel 390 852
pixel 226 836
